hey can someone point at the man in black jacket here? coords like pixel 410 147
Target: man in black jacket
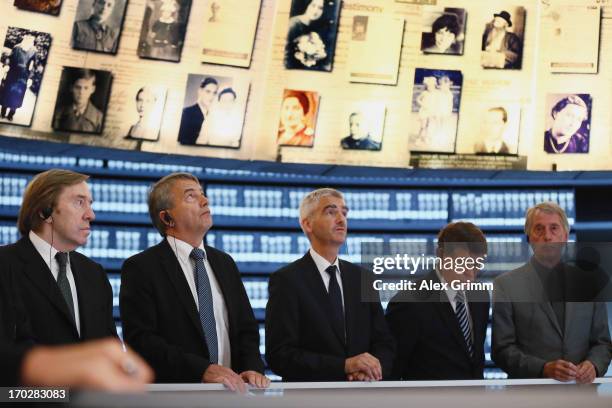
pixel 67 296
pixel 440 332
pixel 183 305
pixel 318 327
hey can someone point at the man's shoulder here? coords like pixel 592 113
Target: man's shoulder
pixel 149 255
pixel 83 259
pixel 514 276
pixel 293 269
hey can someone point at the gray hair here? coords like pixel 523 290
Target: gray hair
pixel 310 200
pixel 548 207
pixel 160 197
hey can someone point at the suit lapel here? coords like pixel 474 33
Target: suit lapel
pixel 314 280
pixel 173 269
pixel 537 292
pixel 36 270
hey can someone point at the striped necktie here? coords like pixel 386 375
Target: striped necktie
pixel 205 304
pixel 463 319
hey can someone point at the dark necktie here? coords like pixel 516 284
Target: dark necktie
pixel 335 298
pixel 62 282
pixel 463 319
pixel 205 304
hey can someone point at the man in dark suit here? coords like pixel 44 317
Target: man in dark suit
pixel 193 116
pixel 183 305
pixel 67 296
pixel 439 335
pixel 318 328
pixel 537 332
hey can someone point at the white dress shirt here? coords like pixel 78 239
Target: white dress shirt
pixel 322 265
pixel 451 293
pixel 182 250
pixel 47 252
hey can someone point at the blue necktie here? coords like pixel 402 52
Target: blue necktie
pixel 205 304
pixel 464 322
pixel 335 298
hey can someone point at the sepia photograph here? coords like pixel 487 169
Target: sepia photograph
pixel 162 33
pixel 580 51
pixel 51 7
pixel 97 26
pixel 435 110
pixel 22 65
pixel 365 122
pixel 144 121
pixel 375 49
pixel 568 123
pixel 497 129
pixel 443 30
pixel 220 44
pixel 311 37
pixel 502 39
pixel 298 118
pixel 214 109
pixel 81 100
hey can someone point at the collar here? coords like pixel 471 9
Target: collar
pixel 182 249
pixel 43 248
pixel 450 292
pixel 322 263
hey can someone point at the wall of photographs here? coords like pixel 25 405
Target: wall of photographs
pixel 450 83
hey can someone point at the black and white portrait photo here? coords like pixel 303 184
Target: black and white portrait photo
pixel 443 31
pixel 364 126
pixel 97 25
pixel 213 113
pixel 163 29
pixel 311 37
pixel 497 129
pixel 568 123
pixel 81 100
pixel 146 117
pixel 51 7
pixel 22 65
pixel 435 110
pixel 502 40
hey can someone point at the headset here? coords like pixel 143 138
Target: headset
pixel 167 217
pixel 46 213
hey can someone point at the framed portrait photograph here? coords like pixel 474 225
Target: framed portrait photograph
pixel 495 128
pixel 22 64
pixel 97 26
pixel 145 118
pixel 214 109
pixel 311 37
pixel 365 123
pixel 298 118
pixel 435 110
pixel 162 33
pixel 503 38
pixel 81 100
pixel 568 123
pixel 375 49
pixel 51 7
pixel 443 30
pixel 220 44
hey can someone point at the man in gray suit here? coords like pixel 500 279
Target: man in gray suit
pixel 536 331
